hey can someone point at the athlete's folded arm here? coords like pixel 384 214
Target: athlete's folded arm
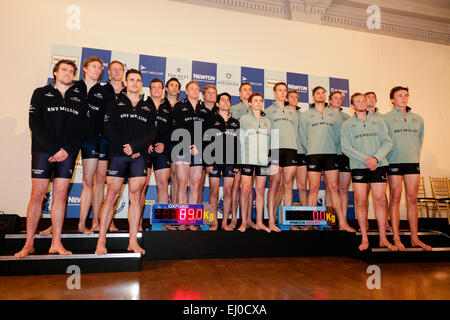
pixel 44 138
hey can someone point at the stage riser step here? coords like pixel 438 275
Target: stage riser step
pixel 90 263
pixel 13 243
pixel 251 244
pixel 403 257
pixel 431 240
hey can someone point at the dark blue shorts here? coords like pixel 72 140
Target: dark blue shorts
pixel 103 149
pixel 95 149
pixel 400 169
pixel 41 168
pixel 157 161
pixel 260 171
pixel 187 157
pixel 283 157
pixel 222 170
pixel 301 159
pixel 89 150
pixel 322 162
pixel 368 176
pixel 344 163
pixel 126 167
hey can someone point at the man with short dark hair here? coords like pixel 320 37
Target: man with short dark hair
pixel 56 123
pixel 130 129
pixel 237 111
pixel 283 152
pixel 371 98
pixel 223 131
pixel 406 131
pixel 171 99
pixel 320 136
pixel 157 156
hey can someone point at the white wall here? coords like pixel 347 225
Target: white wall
pixel 165 28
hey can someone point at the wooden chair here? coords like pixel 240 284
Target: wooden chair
pixel 440 190
pixel 430 204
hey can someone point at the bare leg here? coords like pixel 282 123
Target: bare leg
pixel 260 186
pixel 162 187
pixel 173 183
pixel 34 211
pixel 412 187
pixel 333 184
pixel 98 193
pixel 135 186
pixel 274 183
pixel 195 175
pixel 214 185
pixel 246 184
pixel 114 186
pixel 360 192
pixel 227 198
pixel 301 184
pixel 314 185
pixel 345 178
pixel 395 188
pixel 327 195
pixel 89 169
pixel 142 197
pixel 250 222
pixel 201 186
pixel 182 183
pixel 235 199
pixel 60 189
pixel 379 194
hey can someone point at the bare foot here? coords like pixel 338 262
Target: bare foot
pixel 169 227
pixel 140 229
pixel 136 248
pixel 214 227
pixel 388 227
pixel 182 227
pixel 274 228
pixel 193 227
pixel 251 224
pixel 26 250
pixel 242 228
pixel 113 228
pixel 294 228
pixel 84 230
pixel 227 227
pixel 386 244
pixel 46 232
pixel 59 249
pixel 101 250
pixel 306 228
pixel 262 227
pixel 233 224
pixel 399 245
pixel 418 243
pixel 346 227
pixel 94 228
pixel 364 245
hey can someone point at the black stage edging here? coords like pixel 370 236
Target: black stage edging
pixel 250 244
pixel 60 264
